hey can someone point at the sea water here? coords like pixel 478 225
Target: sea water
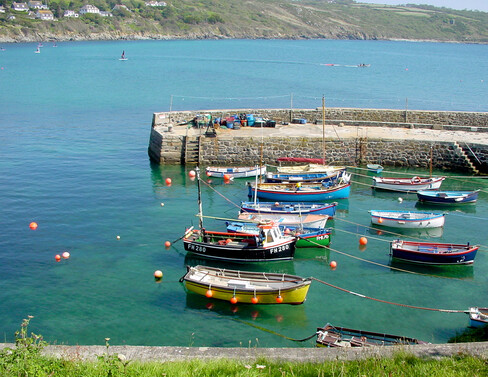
pixel 74 129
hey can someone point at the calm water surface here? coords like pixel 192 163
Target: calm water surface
pixel 74 128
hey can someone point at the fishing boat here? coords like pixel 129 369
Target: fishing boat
pixel 305 236
pixel 375 168
pixel 407 219
pixel 478 317
pixel 413 184
pixel 447 197
pixel 308 220
pixel 122 57
pixel 230 172
pixel 245 287
pixel 434 253
pixel 331 336
pixel 300 192
pixel 290 208
pixel 270 245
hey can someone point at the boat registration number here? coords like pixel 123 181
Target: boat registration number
pixel 197 248
pixel 279 249
pixel 322 237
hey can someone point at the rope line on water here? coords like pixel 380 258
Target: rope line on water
pixel 389 302
pixel 273 332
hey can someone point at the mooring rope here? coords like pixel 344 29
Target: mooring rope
pixel 274 332
pixel 389 302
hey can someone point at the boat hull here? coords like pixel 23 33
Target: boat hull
pixel 248 287
pixel 407 185
pixel 234 172
pixel 407 220
pixel 242 248
pixel 290 208
pixel 433 253
pixel 448 197
pixel 478 317
pixel 312 195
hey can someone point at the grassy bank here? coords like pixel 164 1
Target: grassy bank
pixel 26 359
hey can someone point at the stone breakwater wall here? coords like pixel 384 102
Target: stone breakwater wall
pixel 448 120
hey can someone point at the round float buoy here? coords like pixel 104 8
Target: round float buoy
pixel 57 257
pixel 254 300
pixel 400 200
pixel 210 305
pixel 233 300
pixel 65 255
pixel 162 204
pixel 168 181
pixel 207 173
pixel 363 241
pixel 226 177
pixel 228 240
pixel 277 204
pixel 333 264
pixel 158 274
pixel 380 220
pixel 209 293
pixel 279 299
pixel 33 225
pixel 167 244
pixel 192 173
pixel 118 237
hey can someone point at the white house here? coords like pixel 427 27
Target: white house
pixel 70 13
pixel 89 9
pixel 104 13
pixel 2 9
pixel 20 7
pixel 45 15
pixel 153 3
pixel 34 4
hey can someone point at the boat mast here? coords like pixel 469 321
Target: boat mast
pixel 323 129
pixel 430 167
pixel 200 212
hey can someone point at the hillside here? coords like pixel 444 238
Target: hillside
pixel 290 19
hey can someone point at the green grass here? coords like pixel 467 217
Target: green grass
pixel 26 359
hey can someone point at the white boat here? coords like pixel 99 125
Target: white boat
pixel 413 184
pixel 38 50
pixel 407 219
pixel 122 57
pixel 307 220
pixel 478 317
pixel 231 172
pixel 310 168
pixel 375 168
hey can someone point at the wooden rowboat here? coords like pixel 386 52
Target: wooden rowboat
pixel 433 253
pixel 408 184
pixel 447 197
pixel 407 219
pixel 246 287
pixel 478 317
pixel 375 168
pixel 331 336
pixel 230 172
pixel 289 208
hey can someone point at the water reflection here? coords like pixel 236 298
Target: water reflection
pixel 415 233
pixel 456 272
pixel 463 208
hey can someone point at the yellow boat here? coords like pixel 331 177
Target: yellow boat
pixel 245 286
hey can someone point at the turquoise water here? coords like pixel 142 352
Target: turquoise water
pixel 74 128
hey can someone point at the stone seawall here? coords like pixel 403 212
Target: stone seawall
pixel 169 141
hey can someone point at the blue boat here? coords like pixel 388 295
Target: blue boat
pixel 332 176
pixel 375 168
pixel 290 208
pixel 448 197
pixel 433 253
pixel 305 192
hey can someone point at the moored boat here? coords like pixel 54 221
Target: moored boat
pixel 375 168
pixel 447 197
pixel 247 287
pixel 435 253
pixel 332 336
pixel 301 177
pixel 413 184
pixel 478 317
pixel 305 236
pixel 308 220
pixel 231 172
pixel 306 192
pixel 407 219
pixel 290 208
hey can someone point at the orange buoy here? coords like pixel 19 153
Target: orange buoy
pixel 228 240
pixel 168 181
pixel 192 173
pixel 363 241
pixel 333 264
pixel 380 220
pixel 210 305
pixel 279 299
pixel 65 255
pixel 158 274
pixel 233 300
pixel 167 244
pixel 209 293
pixel 33 225
pixel 254 300
pixel 227 177
pixel 57 257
